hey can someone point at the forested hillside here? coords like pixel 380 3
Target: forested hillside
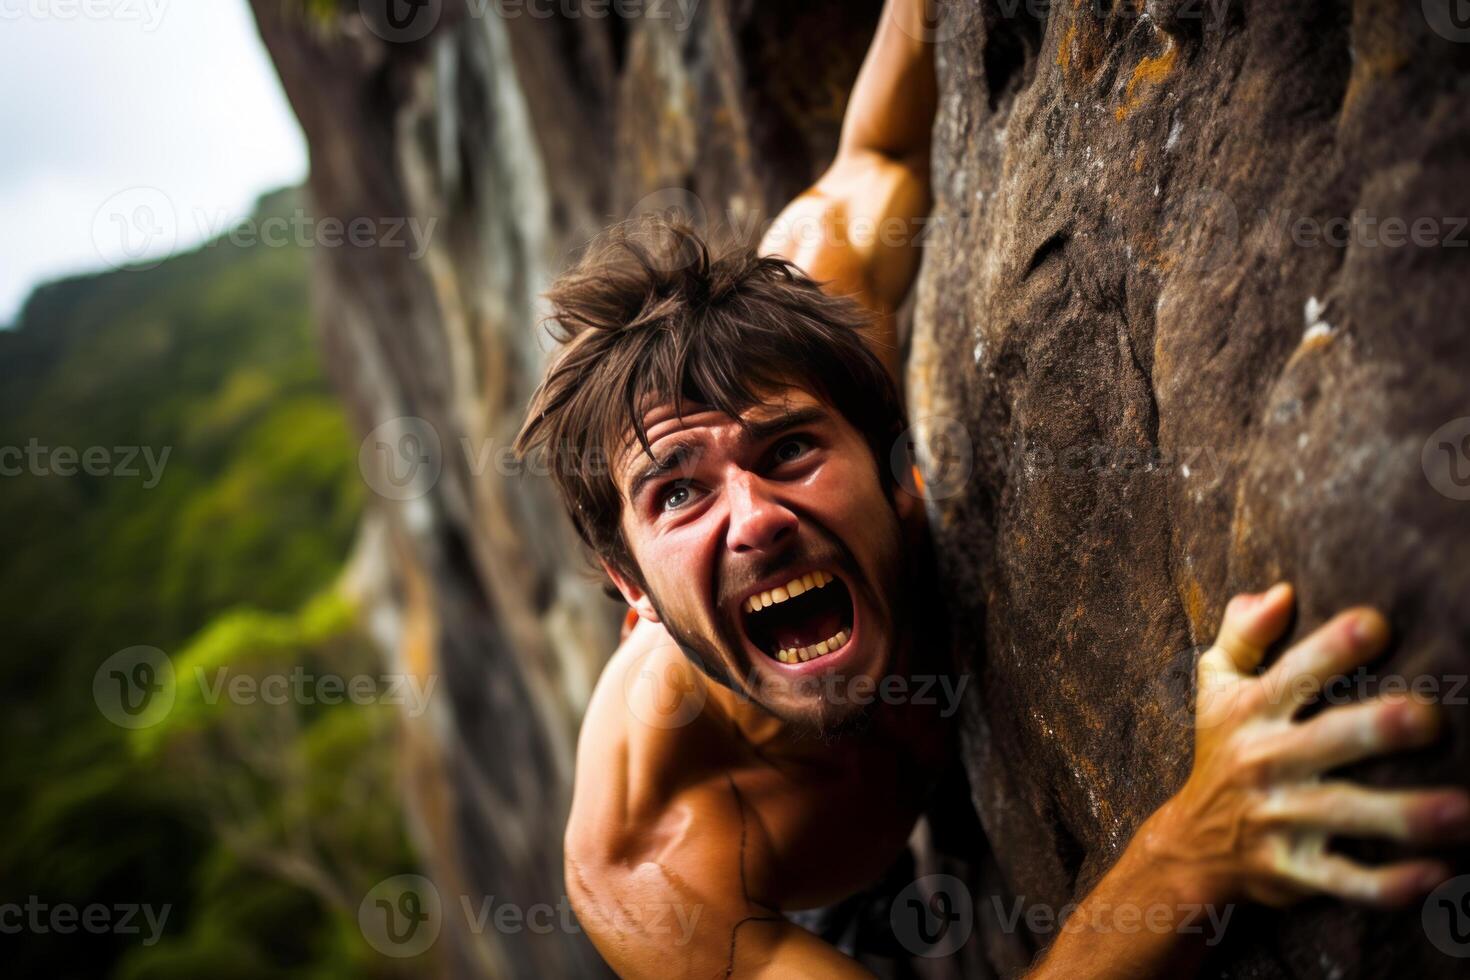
pixel 185 482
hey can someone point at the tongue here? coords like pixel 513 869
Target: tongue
pixel 822 624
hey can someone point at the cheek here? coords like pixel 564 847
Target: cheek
pixel 848 492
pixel 677 565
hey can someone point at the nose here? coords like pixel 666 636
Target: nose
pixel 758 522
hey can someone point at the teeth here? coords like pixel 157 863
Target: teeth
pixel 771 597
pixel 805 654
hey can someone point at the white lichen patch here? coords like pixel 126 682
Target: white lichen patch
pixel 1175 132
pixel 1318 329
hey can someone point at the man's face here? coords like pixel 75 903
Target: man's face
pixel 774 555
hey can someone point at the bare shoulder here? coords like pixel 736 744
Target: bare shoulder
pixel 650 867
pixel 650 733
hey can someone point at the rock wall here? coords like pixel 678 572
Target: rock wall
pixel 1163 394
pixel 1178 386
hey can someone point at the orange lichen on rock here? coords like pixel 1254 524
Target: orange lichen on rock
pixel 1064 50
pixel 1151 70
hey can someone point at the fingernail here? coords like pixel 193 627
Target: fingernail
pixel 1276 592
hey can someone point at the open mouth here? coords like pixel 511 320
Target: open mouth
pixel 807 618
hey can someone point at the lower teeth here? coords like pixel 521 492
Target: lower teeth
pixel 803 654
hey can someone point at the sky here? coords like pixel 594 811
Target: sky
pixel 128 129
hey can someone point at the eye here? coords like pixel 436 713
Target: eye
pixel 792 449
pixel 674 496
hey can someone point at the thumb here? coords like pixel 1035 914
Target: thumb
pixel 1253 621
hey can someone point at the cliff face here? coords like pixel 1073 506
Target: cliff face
pixel 1169 299
pixel 1165 390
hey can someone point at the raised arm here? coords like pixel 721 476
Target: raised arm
pixel 857 229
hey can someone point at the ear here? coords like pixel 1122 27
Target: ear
pixel 909 500
pixel 632 592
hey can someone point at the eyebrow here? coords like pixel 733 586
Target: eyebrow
pixel 758 431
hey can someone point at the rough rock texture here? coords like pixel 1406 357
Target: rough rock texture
pixel 1173 394
pixel 1167 397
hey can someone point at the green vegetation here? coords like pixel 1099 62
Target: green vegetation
pixel 257 823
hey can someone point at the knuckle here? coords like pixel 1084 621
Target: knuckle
pixel 1253 766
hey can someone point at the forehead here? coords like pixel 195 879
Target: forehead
pixel 663 424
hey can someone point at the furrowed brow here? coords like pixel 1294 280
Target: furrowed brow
pixel 757 431
pixel 766 428
pixel 656 468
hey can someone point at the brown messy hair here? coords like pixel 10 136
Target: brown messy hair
pixel 652 315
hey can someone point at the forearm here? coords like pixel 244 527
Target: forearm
pixel 891 110
pixel 1146 918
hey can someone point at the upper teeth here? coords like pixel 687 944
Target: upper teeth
pixel 771 597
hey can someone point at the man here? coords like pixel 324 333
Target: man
pixel 720 428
